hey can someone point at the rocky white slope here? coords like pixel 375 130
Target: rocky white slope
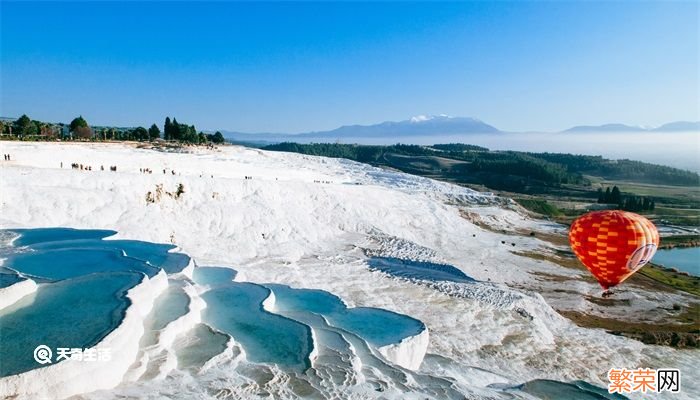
pixel 309 222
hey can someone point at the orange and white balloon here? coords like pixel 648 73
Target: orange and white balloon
pixel 613 244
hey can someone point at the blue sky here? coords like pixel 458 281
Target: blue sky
pixel 293 67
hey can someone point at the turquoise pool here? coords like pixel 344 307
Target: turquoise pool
pixel 74 313
pixel 236 309
pixel 378 327
pixel 83 281
pixel 409 269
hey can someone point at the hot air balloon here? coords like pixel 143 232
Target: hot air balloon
pixel 613 244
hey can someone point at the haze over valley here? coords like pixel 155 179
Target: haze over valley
pixel 675 144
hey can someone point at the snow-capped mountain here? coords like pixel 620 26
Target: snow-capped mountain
pixel 421 125
pixel 422 128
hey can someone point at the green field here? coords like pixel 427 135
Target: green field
pixel 539 206
pixel 680 281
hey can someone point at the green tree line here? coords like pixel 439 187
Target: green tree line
pixel 505 170
pixel 627 203
pixel 24 128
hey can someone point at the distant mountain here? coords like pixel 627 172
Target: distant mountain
pixel 425 126
pixel 420 125
pixel 417 126
pixel 678 126
pixel 605 128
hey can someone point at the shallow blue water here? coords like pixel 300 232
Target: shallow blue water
pixel 77 312
pixel 61 253
pixel 308 300
pixel 83 298
pixel 205 345
pixel 376 326
pixel 409 269
pixel 70 263
pixel 213 276
pixel 169 306
pixel 379 327
pixel 683 258
pixel 8 279
pixel 236 309
pixel 83 292
pixel 40 235
pixel 156 254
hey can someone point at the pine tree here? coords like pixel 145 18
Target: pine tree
pixel 615 196
pixel 78 122
pixel 153 132
pixel 217 137
pixel 175 133
pixel 168 129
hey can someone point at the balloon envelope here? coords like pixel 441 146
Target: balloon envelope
pixel 613 244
